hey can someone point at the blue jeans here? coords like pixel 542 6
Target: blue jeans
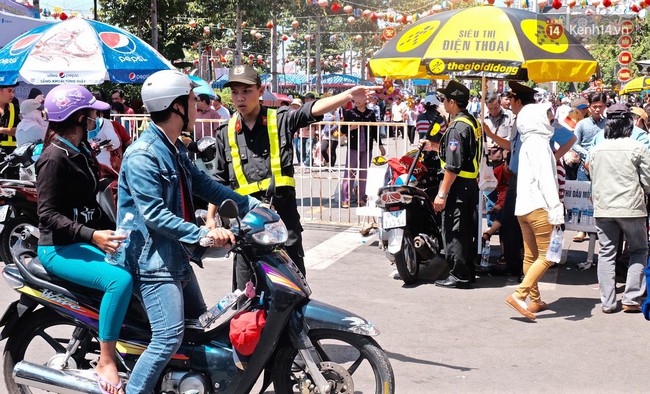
pixel 167 304
pixel 305 151
pixel 84 264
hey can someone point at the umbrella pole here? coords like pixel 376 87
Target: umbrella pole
pixel 479 235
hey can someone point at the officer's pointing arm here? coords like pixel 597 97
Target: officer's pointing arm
pixel 325 105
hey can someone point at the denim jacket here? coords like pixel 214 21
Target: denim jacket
pixel 150 188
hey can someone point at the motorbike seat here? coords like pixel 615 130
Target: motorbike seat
pixel 35 268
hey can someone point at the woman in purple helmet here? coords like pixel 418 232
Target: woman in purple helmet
pixel 76 234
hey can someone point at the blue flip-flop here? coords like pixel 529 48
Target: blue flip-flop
pixel 101 380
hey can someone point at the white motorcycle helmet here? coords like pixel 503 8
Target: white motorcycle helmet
pixel 431 100
pixel 163 87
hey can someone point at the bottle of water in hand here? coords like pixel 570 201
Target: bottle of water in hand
pixel 485 256
pixel 119 256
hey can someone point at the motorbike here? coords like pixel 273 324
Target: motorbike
pixel 306 346
pixel 410 230
pixel 18 199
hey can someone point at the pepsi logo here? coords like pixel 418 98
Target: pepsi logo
pixel 118 42
pixel 24 43
pixel 132 76
pixel 61 75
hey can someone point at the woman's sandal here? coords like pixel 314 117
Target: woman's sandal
pixel 102 382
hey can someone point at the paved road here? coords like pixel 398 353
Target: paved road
pixel 447 340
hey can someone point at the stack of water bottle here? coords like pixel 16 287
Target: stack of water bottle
pixel 581 216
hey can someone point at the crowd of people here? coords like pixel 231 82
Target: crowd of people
pixel 532 143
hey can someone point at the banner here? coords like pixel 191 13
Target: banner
pixel 579 207
pixel 12 26
pixel 14 8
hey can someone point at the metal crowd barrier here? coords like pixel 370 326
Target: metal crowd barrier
pixel 319 184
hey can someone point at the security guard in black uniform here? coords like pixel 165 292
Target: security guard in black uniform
pixel 9 119
pixel 457 197
pixel 257 143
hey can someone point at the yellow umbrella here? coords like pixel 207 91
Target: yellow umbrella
pixel 491 42
pixel 636 85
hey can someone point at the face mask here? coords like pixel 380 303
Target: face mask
pixel 93 133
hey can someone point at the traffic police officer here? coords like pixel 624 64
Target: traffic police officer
pixel 257 143
pixel 9 119
pixel 460 149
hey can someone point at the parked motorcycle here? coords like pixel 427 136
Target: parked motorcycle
pixel 18 198
pixel 410 230
pixel 305 347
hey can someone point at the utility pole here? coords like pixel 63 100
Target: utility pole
pixel 274 53
pixel 317 57
pixel 154 23
pixel 308 56
pixel 236 58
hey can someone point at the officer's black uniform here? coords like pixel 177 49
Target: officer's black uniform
pixel 9 119
pixel 254 152
pixel 459 154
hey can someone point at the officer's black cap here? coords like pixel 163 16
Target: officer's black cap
pixel 243 74
pixel 618 111
pixel 521 91
pixel 456 91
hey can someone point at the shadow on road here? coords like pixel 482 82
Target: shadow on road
pixel 407 359
pixel 570 308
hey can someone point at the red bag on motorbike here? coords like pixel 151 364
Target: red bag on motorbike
pixel 245 331
pixel 401 166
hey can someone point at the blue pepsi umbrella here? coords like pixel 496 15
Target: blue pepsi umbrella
pixel 78 51
pixel 203 88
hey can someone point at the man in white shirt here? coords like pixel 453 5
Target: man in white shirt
pixel 223 112
pixel 398 113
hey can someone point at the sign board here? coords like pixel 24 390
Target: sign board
pixel 579 207
pixel 625 58
pixel 389 33
pixel 627 27
pixel 625 41
pixel 624 74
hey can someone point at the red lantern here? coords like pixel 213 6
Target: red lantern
pixel 336 8
pixel 635 8
pixel 345 65
pixel 285 37
pixel 295 24
pixel 490 2
pixel 351 19
pixel 338 57
pixel 403 19
pixel 556 4
pixel 63 16
pixel 366 14
pixel 647 2
pixel 251 57
pixel 192 23
pixel 269 25
pixel 348 9
pixel 374 17
pixel 260 61
pixel 607 3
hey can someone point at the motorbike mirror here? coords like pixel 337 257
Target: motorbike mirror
pixel 379 160
pixel 205 142
pixel 229 209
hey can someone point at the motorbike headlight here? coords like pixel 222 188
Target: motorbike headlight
pixel 273 233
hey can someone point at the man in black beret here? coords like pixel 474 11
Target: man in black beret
pixel 460 149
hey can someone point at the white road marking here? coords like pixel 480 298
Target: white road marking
pixel 333 249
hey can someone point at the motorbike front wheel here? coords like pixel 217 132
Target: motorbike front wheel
pixel 42 339
pixel 11 235
pixel 406 261
pixel 348 361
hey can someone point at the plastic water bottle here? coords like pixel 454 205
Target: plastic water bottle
pixel 485 255
pixel 554 252
pixel 119 256
pixel 213 313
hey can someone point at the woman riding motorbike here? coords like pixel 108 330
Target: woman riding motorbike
pixel 75 232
